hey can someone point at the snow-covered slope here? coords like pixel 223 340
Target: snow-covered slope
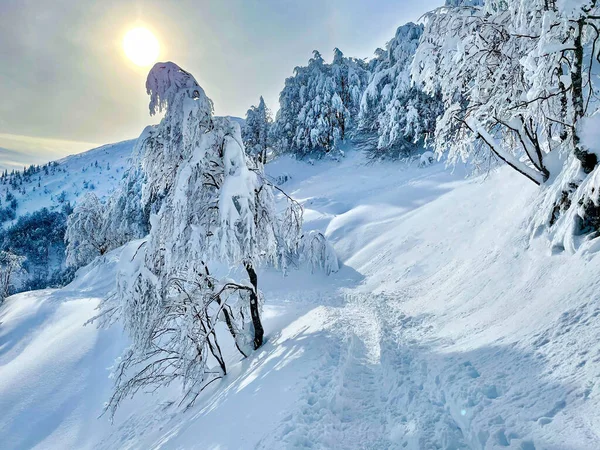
pixel 446 328
pixel 98 170
pixel 53 369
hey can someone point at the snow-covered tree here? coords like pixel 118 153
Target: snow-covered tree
pixel 85 235
pixel 517 85
pixel 472 57
pixel 256 131
pixel 457 3
pixel 171 322
pixel 125 217
pixel 10 265
pixel 399 114
pixel 209 205
pixel 349 80
pixel 94 227
pixel 562 69
pixel 319 105
pixel 39 237
pixel 316 251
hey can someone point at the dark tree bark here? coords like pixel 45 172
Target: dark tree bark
pixel 258 328
pixel 263 155
pixel 215 349
pixel 588 160
pixel 228 319
pixel 231 328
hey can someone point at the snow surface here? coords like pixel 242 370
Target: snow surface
pixel 446 328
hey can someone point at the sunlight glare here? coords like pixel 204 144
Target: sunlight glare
pixel 140 46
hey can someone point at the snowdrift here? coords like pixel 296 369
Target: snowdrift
pixel 446 327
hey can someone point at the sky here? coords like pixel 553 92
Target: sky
pixel 66 85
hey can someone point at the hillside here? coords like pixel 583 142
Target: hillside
pixel 98 170
pixel 445 328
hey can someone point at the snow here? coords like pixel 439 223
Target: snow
pixel 590 132
pixel 53 369
pixel 426 159
pixel 165 80
pixel 445 327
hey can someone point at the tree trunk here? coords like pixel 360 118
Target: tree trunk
pixel 231 328
pixel 588 160
pixel 258 328
pixel 263 155
pixel 228 318
pixel 6 282
pixel 533 174
pixel 215 349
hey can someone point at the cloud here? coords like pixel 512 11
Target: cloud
pixel 17 151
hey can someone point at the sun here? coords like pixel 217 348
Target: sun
pixel 141 46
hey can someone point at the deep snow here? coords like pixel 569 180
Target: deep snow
pixel 446 328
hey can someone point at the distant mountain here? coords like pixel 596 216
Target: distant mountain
pixel 53 184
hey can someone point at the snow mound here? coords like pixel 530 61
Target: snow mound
pixel 426 159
